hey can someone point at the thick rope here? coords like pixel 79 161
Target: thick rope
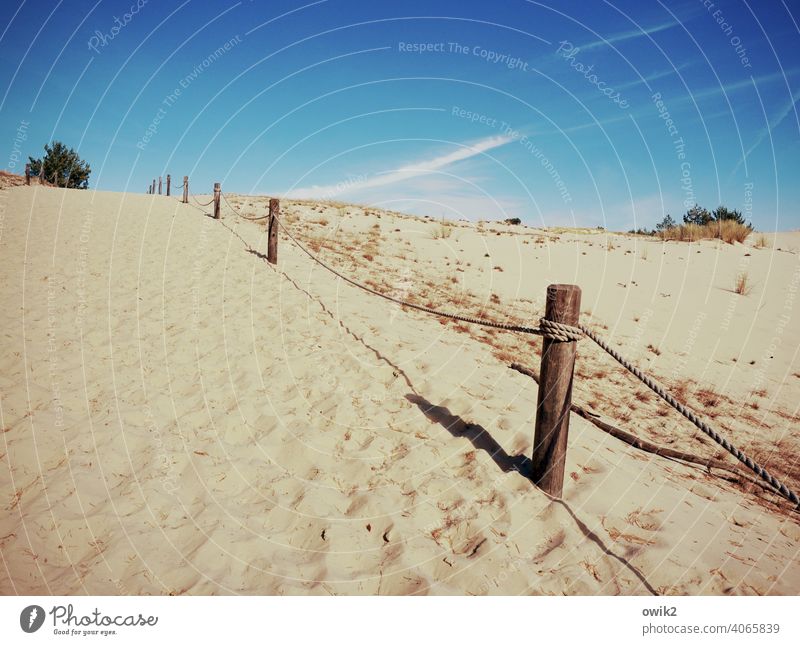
pixel 236 211
pixel 689 414
pixel 566 333
pixel 198 203
pixel 547 328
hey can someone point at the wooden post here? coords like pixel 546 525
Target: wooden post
pixel 159 185
pixel 272 237
pixel 185 189
pixel 169 180
pixel 153 191
pixel 555 392
pixel 27 174
pixel 216 201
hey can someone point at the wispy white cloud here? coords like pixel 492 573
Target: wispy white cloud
pixel 630 35
pixel 385 178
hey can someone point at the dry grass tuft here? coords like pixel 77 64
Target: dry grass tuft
pixel 654 349
pixel 442 231
pixel 727 230
pixel 741 286
pixel 708 397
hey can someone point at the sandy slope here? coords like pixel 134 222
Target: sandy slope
pixel 179 417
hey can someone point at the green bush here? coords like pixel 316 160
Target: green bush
pixel 61 166
pixel 722 214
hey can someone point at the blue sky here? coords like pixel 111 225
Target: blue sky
pixel 560 113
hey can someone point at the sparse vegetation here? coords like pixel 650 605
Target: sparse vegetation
pixel 443 230
pixel 761 241
pixel 741 286
pixel 726 225
pixel 654 349
pixel 708 397
pixel 728 231
pixel 641 231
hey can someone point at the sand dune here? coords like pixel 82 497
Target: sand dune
pixel 180 417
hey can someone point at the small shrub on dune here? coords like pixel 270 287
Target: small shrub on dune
pixel 699 224
pixel 692 232
pixel 741 286
pixel 442 231
pixel 668 234
pixel 730 231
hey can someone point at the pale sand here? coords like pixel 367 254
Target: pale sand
pixel 180 417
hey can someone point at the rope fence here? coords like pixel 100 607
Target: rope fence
pixel 239 214
pixel 560 330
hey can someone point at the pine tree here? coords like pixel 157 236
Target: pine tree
pixel 697 215
pixel 665 223
pixel 61 166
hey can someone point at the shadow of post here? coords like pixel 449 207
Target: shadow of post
pixel 480 438
pixel 593 537
pixel 477 435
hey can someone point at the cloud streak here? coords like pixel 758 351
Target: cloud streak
pixel 630 35
pixel 385 178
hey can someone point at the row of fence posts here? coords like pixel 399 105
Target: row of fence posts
pixel 557 364
pixel 274 212
pixel 554 403
pixel 28 175
pixel 151 188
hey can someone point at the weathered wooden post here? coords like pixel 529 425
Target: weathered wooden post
pixel 272 236
pixel 27 174
pixel 216 200
pixel 169 181
pixel 555 392
pixel 153 190
pixel 159 185
pixel 185 189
